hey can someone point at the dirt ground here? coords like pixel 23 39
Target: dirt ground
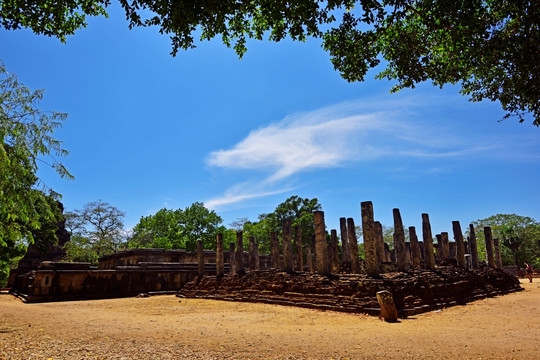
pixel 166 327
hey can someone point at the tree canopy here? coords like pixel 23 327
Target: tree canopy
pixel 490 48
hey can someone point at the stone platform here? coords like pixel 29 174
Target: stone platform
pixel 414 292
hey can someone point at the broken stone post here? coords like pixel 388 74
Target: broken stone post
pixel 274 245
pixel 287 246
pixel 220 263
pixel 353 244
pixel 309 258
pixel 445 242
pixel 422 250
pixel 388 308
pixel 298 243
pixel 453 250
pixel 334 261
pixel 370 247
pixel 232 259
pixel 415 247
pixel 251 253
pixel 345 248
pixel 399 243
pixel 240 253
pixel 474 247
pixel 489 246
pixel 438 247
pixel 460 246
pixel 497 254
pixel 200 256
pixel 379 245
pixel 429 259
pixel 321 247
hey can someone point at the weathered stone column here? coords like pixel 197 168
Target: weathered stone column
pixel 200 256
pixel 321 247
pixel 399 243
pixel 287 246
pixel 453 250
pixel 474 247
pixel 345 248
pixel 232 259
pixel 298 243
pixel 353 244
pixel 460 246
pixel 445 242
pixel 334 260
pixel 240 253
pixel 379 244
pixel 251 253
pixel 422 250
pixel 274 245
pixel 497 254
pixel 309 258
pixel 489 246
pixel 438 247
pixel 429 259
pixel 372 267
pixel 220 263
pixel 256 256
pixel 408 253
pixel 415 247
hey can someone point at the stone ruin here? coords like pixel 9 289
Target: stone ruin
pixel 420 275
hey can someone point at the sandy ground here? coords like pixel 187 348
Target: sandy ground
pixel 166 327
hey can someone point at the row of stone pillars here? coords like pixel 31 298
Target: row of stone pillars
pixel 325 259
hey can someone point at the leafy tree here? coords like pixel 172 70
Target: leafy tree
pixel 491 48
pixel 199 223
pixel 519 238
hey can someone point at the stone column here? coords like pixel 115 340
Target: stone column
pixel 445 242
pixel 298 243
pixel 460 246
pixel 422 250
pixel 387 253
pixel 372 268
pixel 353 244
pixel 321 247
pixel 379 245
pixel 399 243
pixel 287 246
pixel 453 250
pixel 489 246
pixel 220 263
pixel 240 253
pixel 474 247
pixel 251 253
pixel 274 245
pixel 497 254
pixel 408 253
pixel 256 256
pixel 309 259
pixel 334 261
pixel 429 259
pixel 438 247
pixel 415 247
pixel 345 248
pixel 200 256
pixel 232 259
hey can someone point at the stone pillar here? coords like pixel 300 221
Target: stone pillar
pixel 274 245
pixel 240 253
pixel 232 259
pixel 422 250
pixel 220 263
pixel 257 258
pixel 287 246
pixel 387 252
pixel 445 242
pixel 388 308
pixel 429 259
pixel 438 247
pixel 251 253
pixel 353 244
pixel 309 258
pixel 489 247
pixel 200 256
pixel 321 247
pixel 399 243
pixel 334 261
pixel 453 251
pixel 372 268
pixel 497 254
pixel 460 246
pixel 415 247
pixel 345 248
pixel 298 243
pixel 408 253
pixel 474 247
pixel 379 245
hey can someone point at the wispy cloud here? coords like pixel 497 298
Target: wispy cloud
pixel 332 137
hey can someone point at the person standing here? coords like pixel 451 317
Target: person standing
pixel 529 270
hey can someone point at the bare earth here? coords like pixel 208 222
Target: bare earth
pixel 166 327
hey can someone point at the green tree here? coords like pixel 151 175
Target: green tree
pixel 200 223
pixel 491 48
pixel 519 238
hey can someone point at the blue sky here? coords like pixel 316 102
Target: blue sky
pixel 147 131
